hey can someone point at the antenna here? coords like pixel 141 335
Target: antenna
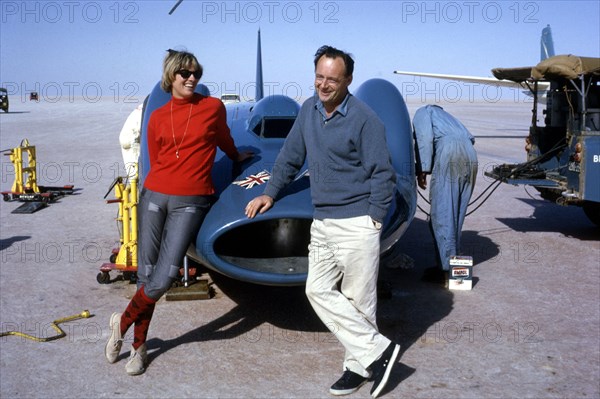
pixel 175 7
pixel 259 74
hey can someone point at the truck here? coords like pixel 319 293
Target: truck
pixel 563 152
pixel 3 99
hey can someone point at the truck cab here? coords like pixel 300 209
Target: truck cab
pixel 4 99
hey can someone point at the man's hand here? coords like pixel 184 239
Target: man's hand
pixel 242 156
pixel 422 180
pixel 260 204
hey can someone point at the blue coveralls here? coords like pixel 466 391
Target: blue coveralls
pixel 444 148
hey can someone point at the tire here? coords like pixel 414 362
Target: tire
pixel 103 278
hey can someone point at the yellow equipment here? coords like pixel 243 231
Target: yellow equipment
pixel 25 187
pixel 124 259
pixel 85 314
pixel 16 157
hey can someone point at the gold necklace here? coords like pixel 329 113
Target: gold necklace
pixel 184 133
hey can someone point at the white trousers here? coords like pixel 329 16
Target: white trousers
pixel 342 286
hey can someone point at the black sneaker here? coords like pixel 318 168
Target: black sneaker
pixel 348 383
pixel 382 367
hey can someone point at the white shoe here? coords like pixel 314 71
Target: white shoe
pixel 136 364
pixel 113 346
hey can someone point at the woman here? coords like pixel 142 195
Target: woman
pixel 182 138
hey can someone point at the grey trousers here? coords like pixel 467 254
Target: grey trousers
pixel 167 225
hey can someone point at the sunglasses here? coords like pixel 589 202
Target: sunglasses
pixel 186 74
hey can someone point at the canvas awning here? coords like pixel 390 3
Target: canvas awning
pixel 560 66
pixel 515 74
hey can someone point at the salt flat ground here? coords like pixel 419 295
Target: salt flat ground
pixel 530 328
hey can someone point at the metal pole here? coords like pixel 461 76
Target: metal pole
pixel 186 271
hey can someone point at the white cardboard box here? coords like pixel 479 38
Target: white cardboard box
pixel 460 276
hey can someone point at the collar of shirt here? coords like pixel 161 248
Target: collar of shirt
pixel 342 109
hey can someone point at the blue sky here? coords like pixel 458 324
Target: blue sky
pixel 92 48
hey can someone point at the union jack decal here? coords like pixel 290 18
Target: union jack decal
pixel 254 180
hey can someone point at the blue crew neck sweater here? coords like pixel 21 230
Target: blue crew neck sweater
pixel 348 160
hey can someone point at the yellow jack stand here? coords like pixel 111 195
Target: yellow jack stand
pixel 26 188
pixel 124 259
pixel 16 157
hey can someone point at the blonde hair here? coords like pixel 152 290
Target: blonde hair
pixel 174 62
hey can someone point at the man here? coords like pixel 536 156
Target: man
pixel 130 141
pixel 444 149
pixel 352 183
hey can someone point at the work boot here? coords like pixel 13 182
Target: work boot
pixel 115 341
pixel 138 359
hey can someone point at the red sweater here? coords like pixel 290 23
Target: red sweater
pixel 190 173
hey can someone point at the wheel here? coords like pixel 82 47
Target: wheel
pixel 592 211
pixel 131 276
pixel 103 278
pixel 113 258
